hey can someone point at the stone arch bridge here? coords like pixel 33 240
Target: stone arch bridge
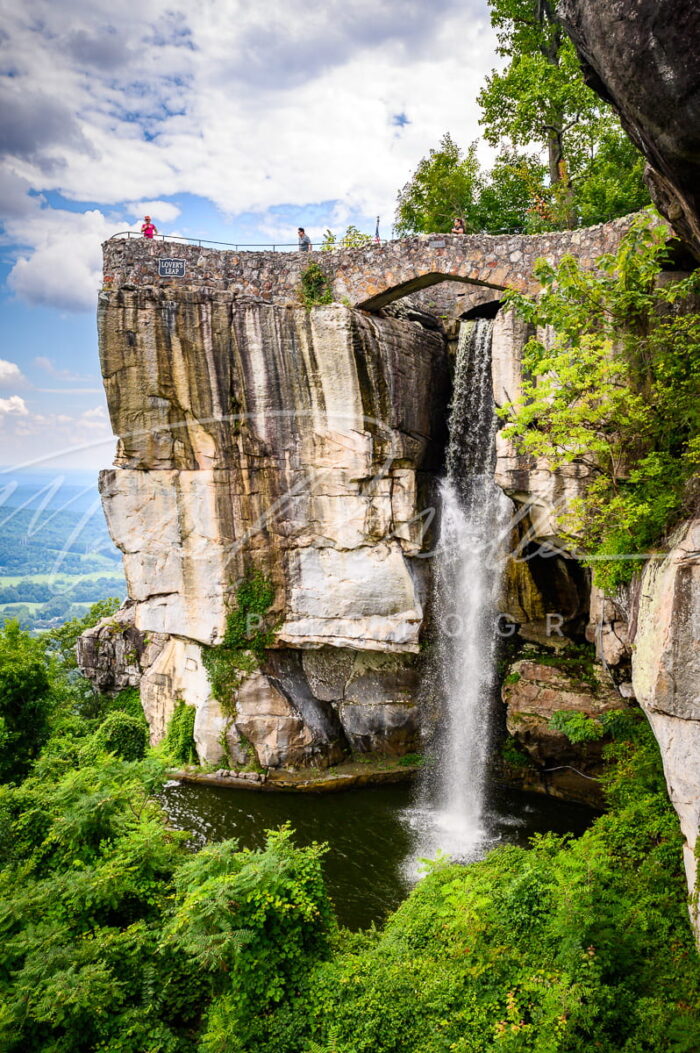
pixel 369 277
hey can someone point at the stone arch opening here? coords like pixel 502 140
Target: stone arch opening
pixel 421 281
pixel 485 309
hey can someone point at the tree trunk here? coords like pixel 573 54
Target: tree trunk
pixel 555 156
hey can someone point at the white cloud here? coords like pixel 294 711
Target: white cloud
pixel 63 264
pixel 14 406
pixel 250 106
pixel 159 211
pixel 82 439
pixel 10 374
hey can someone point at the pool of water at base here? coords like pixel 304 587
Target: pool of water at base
pixel 370 866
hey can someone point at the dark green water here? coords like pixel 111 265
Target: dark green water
pixel 370 832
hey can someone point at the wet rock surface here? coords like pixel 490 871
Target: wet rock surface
pixel 533 692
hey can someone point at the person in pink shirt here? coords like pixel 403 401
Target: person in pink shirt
pixel 148 228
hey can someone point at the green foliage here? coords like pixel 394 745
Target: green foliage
pixel 124 735
pixel 411 760
pixel 315 289
pixel 255 921
pixel 179 744
pixel 510 193
pixel 351 239
pixel 25 703
pixel 616 391
pixel 248 633
pixel 444 185
pixel 539 96
pixel 115 938
pixel 568 946
pixel 86 877
pixel 578 727
pixel 512 754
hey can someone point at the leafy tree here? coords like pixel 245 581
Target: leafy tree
pixel 444 185
pixel 616 391
pixel 256 921
pixel 25 702
pixel 124 735
pixel 509 193
pixel 540 97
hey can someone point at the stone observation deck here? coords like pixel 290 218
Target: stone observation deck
pixel 369 277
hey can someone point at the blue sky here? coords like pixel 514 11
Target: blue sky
pixel 223 120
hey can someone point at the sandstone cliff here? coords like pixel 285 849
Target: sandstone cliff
pixel 296 444
pixel 256 437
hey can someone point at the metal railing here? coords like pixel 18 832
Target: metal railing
pixel 245 246
pixel 266 246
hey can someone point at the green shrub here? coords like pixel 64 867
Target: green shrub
pixel 124 735
pixel 578 727
pixel 616 391
pixel 25 700
pixel 411 760
pixel 569 946
pixel 257 922
pixel 179 744
pixel 315 289
pixel 248 633
pixel 513 754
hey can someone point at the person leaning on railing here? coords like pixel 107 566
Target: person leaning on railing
pixel 148 228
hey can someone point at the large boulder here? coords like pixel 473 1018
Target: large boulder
pixel 642 56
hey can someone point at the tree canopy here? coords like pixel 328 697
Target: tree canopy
pixel 563 159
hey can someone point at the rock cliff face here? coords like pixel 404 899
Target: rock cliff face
pixel 646 638
pixel 260 438
pixel 256 439
pixel 642 56
pixel 666 677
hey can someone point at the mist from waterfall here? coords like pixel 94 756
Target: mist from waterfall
pixel 466 576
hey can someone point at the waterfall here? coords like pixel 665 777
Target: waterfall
pixel 466 577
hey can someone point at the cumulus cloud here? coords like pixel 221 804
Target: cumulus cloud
pixel 10 374
pixel 64 267
pixel 160 211
pixel 14 406
pixel 249 106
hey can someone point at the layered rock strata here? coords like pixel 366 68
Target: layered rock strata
pixel 536 689
pixel 300 445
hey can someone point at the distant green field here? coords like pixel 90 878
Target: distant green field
pixel 9 609
pixel 67 579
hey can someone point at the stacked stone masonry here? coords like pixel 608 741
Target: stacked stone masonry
pixel 369 277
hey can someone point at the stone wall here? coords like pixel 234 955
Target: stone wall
pixel 368 277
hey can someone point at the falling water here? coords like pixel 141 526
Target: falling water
pixel 466 579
